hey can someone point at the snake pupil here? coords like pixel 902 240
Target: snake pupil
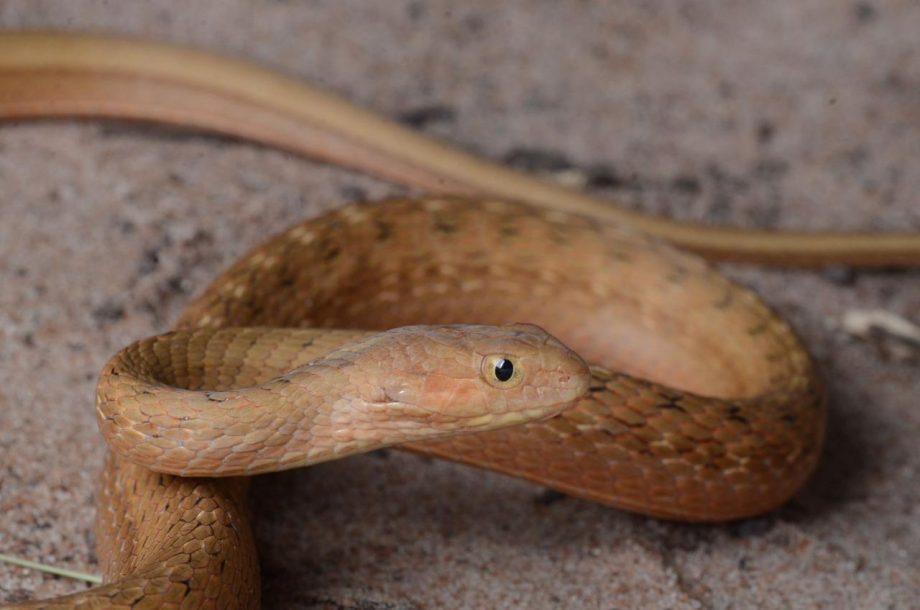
pixel 504 369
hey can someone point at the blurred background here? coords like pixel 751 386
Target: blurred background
pixel 789 114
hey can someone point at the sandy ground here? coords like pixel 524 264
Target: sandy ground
pixel 792 114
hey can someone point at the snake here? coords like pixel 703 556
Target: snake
pixel 497 321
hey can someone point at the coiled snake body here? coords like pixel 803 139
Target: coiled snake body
pixel 701 404
pixel 623 301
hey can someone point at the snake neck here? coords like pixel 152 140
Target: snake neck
pixel 292 420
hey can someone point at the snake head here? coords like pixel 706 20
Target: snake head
pixel 407 384
pixel 467 377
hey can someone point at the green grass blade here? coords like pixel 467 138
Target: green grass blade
pixel 25 563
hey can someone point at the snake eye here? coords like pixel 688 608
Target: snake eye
pixel 504 369
pixel 500 372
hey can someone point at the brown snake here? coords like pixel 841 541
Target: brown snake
pixel 676 421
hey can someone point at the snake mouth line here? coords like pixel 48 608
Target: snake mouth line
pixel 513 417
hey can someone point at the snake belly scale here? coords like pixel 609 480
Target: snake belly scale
pixel 676 422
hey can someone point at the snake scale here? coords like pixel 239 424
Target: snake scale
pixel 700 403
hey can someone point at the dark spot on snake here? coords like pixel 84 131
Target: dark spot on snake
pixel 726 300
pixel 432 271
pixel 307 343
pixel 734 414
pixel 331 254
pixel 479 256
pixel 507 231
pixel 677 274
pixel 618 255
pixel 789 418
pixel 384 230
pixel 559 237
pixel 672 405
pixel 442 225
